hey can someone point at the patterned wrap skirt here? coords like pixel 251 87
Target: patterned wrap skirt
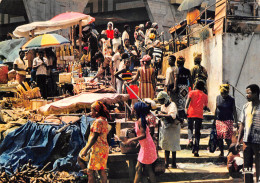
pixel 224 129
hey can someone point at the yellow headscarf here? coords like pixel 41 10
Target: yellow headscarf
pixel 224 88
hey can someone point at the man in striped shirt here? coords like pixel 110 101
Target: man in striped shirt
pixel 250 129
pixel 157 57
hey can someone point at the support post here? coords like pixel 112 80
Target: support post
pixel 80 38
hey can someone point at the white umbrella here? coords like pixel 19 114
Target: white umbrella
pixel 188 4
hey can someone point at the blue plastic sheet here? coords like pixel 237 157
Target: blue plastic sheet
pixel 37 142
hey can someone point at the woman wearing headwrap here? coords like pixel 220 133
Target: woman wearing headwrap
pixel 183 84
pixel 169 134
pixel 147 83
pixel 147 154
pixel 225 116
pixel 97 142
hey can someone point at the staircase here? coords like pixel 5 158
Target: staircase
pixel 207 168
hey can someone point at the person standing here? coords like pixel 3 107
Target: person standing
pixel 183 84
pixel 117 41
pixel 40 64
pixel 171 78
pixel 123 73
pixel 169 137
pixel 125 34
pixel 250 130
pixel 91 41
pixel 196 102
pixel 147 82
pixel 225 116
pixel 97 145
pixel 110 31
pixel 157 57
pixel 198 72
pixel 148 25
pixel 147 154
pixel 20 67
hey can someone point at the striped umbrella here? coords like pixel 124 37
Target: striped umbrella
pixel 45 41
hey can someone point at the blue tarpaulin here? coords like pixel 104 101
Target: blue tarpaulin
pixel 38 141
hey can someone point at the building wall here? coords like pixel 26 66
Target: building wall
pixel 235 47
pixel 211 50
pixel 41 10
pixel 165 14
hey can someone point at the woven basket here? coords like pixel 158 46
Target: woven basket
pixel 131 148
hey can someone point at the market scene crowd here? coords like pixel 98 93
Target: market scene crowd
pixel 158 117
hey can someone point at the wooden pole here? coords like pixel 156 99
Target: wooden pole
pixel 80 37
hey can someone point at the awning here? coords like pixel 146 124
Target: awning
pixel 52 25
pixel 10 48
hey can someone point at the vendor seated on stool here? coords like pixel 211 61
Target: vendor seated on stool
pixel 20 67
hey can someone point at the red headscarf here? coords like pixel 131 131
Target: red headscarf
pixel 101 109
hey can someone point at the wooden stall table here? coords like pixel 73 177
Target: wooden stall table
pixel 130 158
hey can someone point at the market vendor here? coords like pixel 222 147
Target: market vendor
pixel 40 64
pixel 104 63
pixel 20 67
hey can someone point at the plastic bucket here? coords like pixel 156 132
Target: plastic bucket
pixel 135 89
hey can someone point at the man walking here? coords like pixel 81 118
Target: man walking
pixel 250 130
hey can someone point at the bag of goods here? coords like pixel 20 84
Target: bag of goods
pixel 3 74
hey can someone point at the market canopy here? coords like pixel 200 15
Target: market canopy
pixel 10 48
pixel 61 21
pixel 188 4
pixel 81 101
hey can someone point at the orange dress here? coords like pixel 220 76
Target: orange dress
pixel 100 150
pixel 146 89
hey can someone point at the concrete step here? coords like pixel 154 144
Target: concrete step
pixel 231 180
pixel 193 171
pixel 204 133
pixel 203 143
pixel 186 156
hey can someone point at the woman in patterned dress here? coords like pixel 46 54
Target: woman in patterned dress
pixel 225 115
pixel 147 82
pixel 183 84
pixel 97 143
pixel 147 154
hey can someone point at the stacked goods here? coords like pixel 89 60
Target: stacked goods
pixel 3 74
pixel 27 92
pixel 65 78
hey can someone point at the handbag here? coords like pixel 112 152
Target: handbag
pixel 213 140
pixel 159 166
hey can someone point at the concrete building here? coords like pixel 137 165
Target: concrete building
pixel 134 12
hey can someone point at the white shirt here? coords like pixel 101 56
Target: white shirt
pixel 41 70
pixel 116 42
pixel 125 36
pixel 170 72
pixel 21 65
pixel 116 59
pixel 170 109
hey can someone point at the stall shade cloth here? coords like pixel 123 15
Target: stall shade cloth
pixel 10 48
pixel 188 4
pixel 46 40
pixel 56 23
pixel 40 144
pixel 81 101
